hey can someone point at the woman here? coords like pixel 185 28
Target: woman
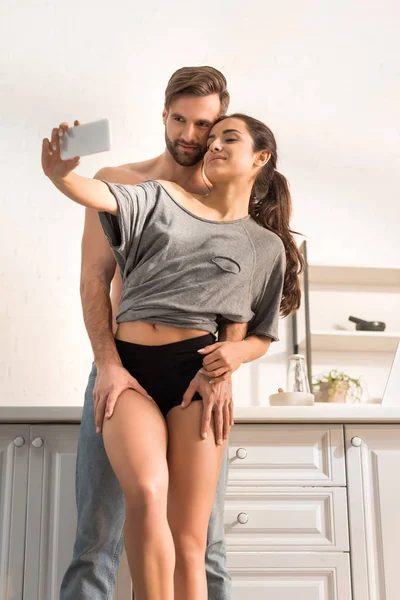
pixel 188 262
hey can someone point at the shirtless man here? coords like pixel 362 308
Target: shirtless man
pixel 194 99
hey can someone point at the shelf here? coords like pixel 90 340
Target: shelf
pixel 353 341
pixel 367 276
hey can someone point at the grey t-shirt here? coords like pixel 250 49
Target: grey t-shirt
pixel 183 270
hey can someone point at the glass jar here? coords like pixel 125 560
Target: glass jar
pixel 297 380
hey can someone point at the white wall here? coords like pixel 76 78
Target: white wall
pixel 324 75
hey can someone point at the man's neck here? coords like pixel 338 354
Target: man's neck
pixel 190 178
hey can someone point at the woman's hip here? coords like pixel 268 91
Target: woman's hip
pixel 165 371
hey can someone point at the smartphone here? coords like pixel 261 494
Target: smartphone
pixel 85 139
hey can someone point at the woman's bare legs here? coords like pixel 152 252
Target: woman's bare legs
pixel 194 466
pixel 135 439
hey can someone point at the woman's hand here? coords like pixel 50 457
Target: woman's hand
pixel 223 358
pixel 52 164
pixel 91 193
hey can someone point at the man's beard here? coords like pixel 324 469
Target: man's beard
pixel 180 156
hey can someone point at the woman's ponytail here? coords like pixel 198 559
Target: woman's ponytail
pixel 271 206
pixel 273 210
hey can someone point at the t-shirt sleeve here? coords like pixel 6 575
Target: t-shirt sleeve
pixel 135 202
pixel 266 314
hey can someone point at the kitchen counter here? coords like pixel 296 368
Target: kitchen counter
pixel 319 413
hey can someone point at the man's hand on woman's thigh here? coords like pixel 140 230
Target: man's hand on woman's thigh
pixel 111 381
pixel 217 403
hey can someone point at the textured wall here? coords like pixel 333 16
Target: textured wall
pixel 323 75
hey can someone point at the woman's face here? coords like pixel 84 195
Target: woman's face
pixel 230 154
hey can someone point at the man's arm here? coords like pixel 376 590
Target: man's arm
pixel 216 392
pixel 217 399
pixel 253 346
pixel 98 267
pixel 232 332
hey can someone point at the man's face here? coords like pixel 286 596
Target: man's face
pixel 188 122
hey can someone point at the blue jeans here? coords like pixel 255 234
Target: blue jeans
pixel 101 514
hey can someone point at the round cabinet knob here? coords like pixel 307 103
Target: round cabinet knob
pixel 19 441
pixel 38 442
pixel 241 453
pixel 242 518
pixel 356 441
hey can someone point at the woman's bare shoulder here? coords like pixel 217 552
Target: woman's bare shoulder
pixel 172 188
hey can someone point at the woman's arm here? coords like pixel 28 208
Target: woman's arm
pixel 87 192
pixel 223 358
pixel 254 346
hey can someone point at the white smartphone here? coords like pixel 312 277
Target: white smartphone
pixel 85 139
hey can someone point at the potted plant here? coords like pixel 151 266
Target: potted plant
pixel 336 386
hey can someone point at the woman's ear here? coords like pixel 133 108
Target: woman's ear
pixel 262 158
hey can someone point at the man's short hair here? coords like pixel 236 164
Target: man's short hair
pixel 197 81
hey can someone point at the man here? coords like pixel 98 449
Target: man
pixel 194 99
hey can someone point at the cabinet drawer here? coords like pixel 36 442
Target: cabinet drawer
pixel 286 519
pixel 289 576
pixel 286 455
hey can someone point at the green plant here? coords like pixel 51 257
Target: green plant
pixel 336 379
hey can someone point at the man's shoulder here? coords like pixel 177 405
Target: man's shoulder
pixel 130 173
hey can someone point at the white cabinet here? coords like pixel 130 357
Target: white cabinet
pixel 51 516
pixel 294 491
pixel 286 520
pixel 38 511
pixel 14 443
pixel 373 464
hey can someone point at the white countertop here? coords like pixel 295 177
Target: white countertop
pixel 319 413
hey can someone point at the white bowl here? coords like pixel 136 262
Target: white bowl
pixel 291 399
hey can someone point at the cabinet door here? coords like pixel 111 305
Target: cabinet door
pixel 373 463
pixel 289 576
pixel 51 522
pixel 51 516
pixel 14 451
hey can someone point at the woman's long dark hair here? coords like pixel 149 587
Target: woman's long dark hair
pixel 271 206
